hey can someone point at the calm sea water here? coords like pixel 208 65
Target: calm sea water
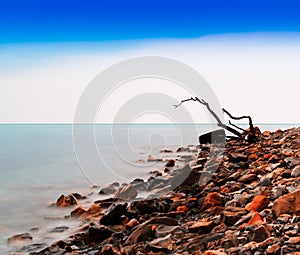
pixel 38 163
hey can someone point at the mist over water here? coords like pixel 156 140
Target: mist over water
pixel 38 164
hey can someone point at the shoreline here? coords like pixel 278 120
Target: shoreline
pixel 244 190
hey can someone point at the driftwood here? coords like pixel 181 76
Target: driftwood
pixel 250 137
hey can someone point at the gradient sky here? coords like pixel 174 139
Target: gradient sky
pixel 50 50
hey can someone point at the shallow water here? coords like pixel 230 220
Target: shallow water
pixel 38 164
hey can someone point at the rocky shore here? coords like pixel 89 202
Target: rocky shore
pixel 238 198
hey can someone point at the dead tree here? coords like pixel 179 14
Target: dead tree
pixel 250 134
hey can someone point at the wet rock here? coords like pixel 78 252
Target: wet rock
pixel 132 223
pixel 289 204
pixel 170 163
pixel 59 229
pixel 66 201
pixel 77 212
pixel 126 193
pixel 98 235
pixel 153 159
pixel 113 214
pixel 24 237
pixel 142 233
pixel 212 137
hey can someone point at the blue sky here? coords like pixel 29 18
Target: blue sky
pixel 105 20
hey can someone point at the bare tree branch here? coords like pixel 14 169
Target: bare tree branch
pixel 220 124
pixel 239 118
pixel 236 126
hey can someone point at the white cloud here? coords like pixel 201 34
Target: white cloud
pixel 255 74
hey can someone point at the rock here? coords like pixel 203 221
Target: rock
pixel 66 201
pixel 153 159
pixel 182 208
pixel 214 252
pixel 182 149
pixel 77 212
pixel 164 230
pixel 211 200
pixel 259 234
pixel 170 163
pixel 163 242
pixel 289 204
pixel 24 237
pixel 296 171
pixel 215 136
pixel 98 235
pixel 258 203
pixel 255 219
pixel 274 249
pixel 126 193
pixel 247 178
pixel 59 229
pixel 113 214
pixel 132 223
pixel 201 227
pixel 230 217
pixel 142 233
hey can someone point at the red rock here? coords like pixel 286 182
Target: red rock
pixel 255 220
pixel 94 208
pixel 214 252
pixel 288 204
pixel 247 178
pixel 273 249
pixel 253 156
pixel 258 203
pixel 202 226
pixel 66 200
pixel 212 199
pixel 295 239
pixel 267 156
pixel 182 208
pixel 132 223
pixel 77 212
pixel 266 133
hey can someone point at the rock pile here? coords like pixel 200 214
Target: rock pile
pixel 245 200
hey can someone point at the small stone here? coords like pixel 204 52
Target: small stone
pixel 63 201
pixel 289 203
pixel 24 237
pixel 201 227
pixel 259 234
pixel 113 214
pixel 273 249
pixel 126 193
pixel 77 212
pixel 98 235
pixel 182 208
pixel 255 219
pixel 211 200
pixel 258 203
pixel 247 178
pixel 132 223
pixel 214 252
pixel 296 171
pixel 170 163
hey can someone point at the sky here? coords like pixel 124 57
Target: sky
pixel 248 52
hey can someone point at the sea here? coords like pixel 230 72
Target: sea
pixel 39 162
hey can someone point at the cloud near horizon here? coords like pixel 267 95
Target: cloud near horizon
pixel 251 73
